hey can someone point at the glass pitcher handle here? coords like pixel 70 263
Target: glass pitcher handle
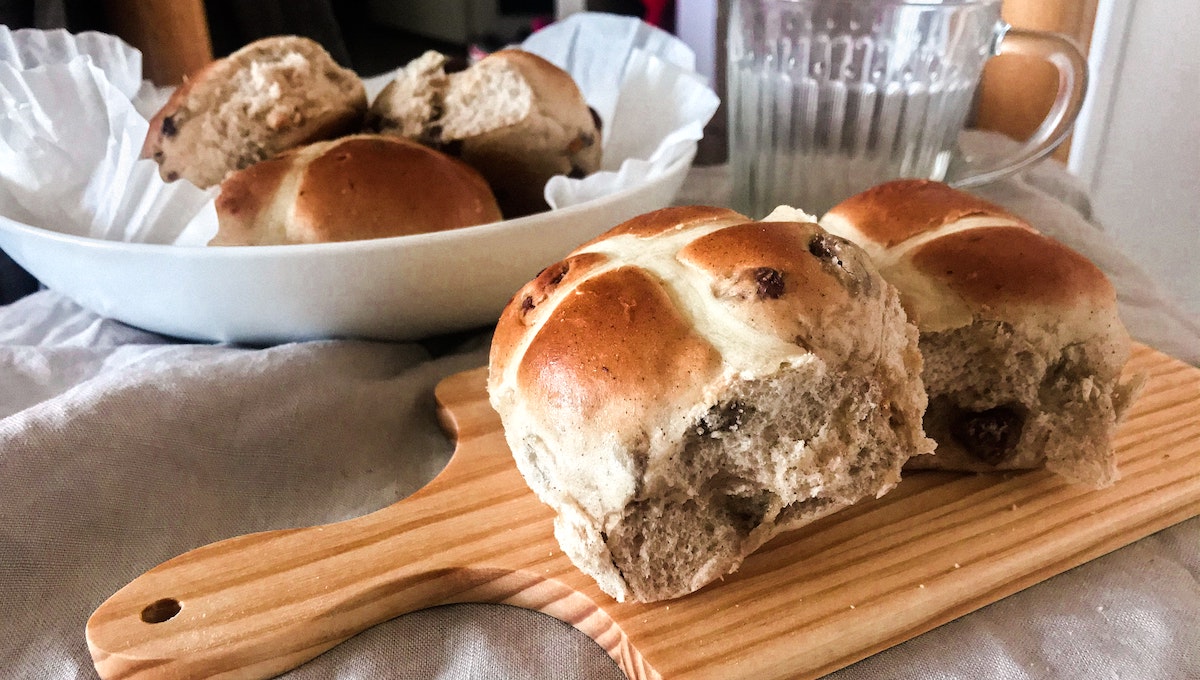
pixel 1072 84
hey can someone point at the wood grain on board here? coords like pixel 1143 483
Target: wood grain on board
pixel 809 602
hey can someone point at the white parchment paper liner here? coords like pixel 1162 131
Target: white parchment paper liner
pixel 70 140
pixel 76 111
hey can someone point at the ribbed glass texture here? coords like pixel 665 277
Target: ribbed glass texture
pixel 829 97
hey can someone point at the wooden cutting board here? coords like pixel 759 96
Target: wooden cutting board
pixel 809 602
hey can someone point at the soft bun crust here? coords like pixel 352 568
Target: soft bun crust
pixel 514 116
pixel 1023 345
pixel 893 212
pixel 269 96
pixel 692 382
pixel 953 254
pixel 1010 267
pixel 358 187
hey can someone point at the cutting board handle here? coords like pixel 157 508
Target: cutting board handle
pixel 255 606
pixel 266 602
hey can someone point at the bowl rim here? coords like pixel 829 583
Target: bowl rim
pixel 302 249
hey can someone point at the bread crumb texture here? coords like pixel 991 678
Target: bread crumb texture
pixel 272 95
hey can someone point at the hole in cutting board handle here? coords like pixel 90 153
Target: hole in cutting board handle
pixel 162 610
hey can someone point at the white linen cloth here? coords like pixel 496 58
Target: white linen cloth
pixel 120 449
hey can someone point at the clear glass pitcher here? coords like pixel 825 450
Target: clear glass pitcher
pixel 829 97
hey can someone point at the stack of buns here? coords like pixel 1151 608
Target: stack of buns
pixel 692 382
pixel 511 121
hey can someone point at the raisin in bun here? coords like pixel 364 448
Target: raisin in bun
pixel 514 116
pixel 269 96
pixel 1022 343
pixel 692 383
pixel 357 187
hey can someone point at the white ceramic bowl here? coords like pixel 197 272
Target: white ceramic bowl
pixel 397 288
pixel 84 216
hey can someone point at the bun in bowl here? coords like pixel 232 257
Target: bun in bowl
pixel 357 187
pixel 692 383
pixel 272 95
pixel 514 116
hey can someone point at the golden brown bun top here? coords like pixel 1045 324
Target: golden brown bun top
pixel 957 258
pixel 894 212
pixel 359 187
pixel 638 325
pixel 1006 265
pixel 665 220
pixel 614 347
